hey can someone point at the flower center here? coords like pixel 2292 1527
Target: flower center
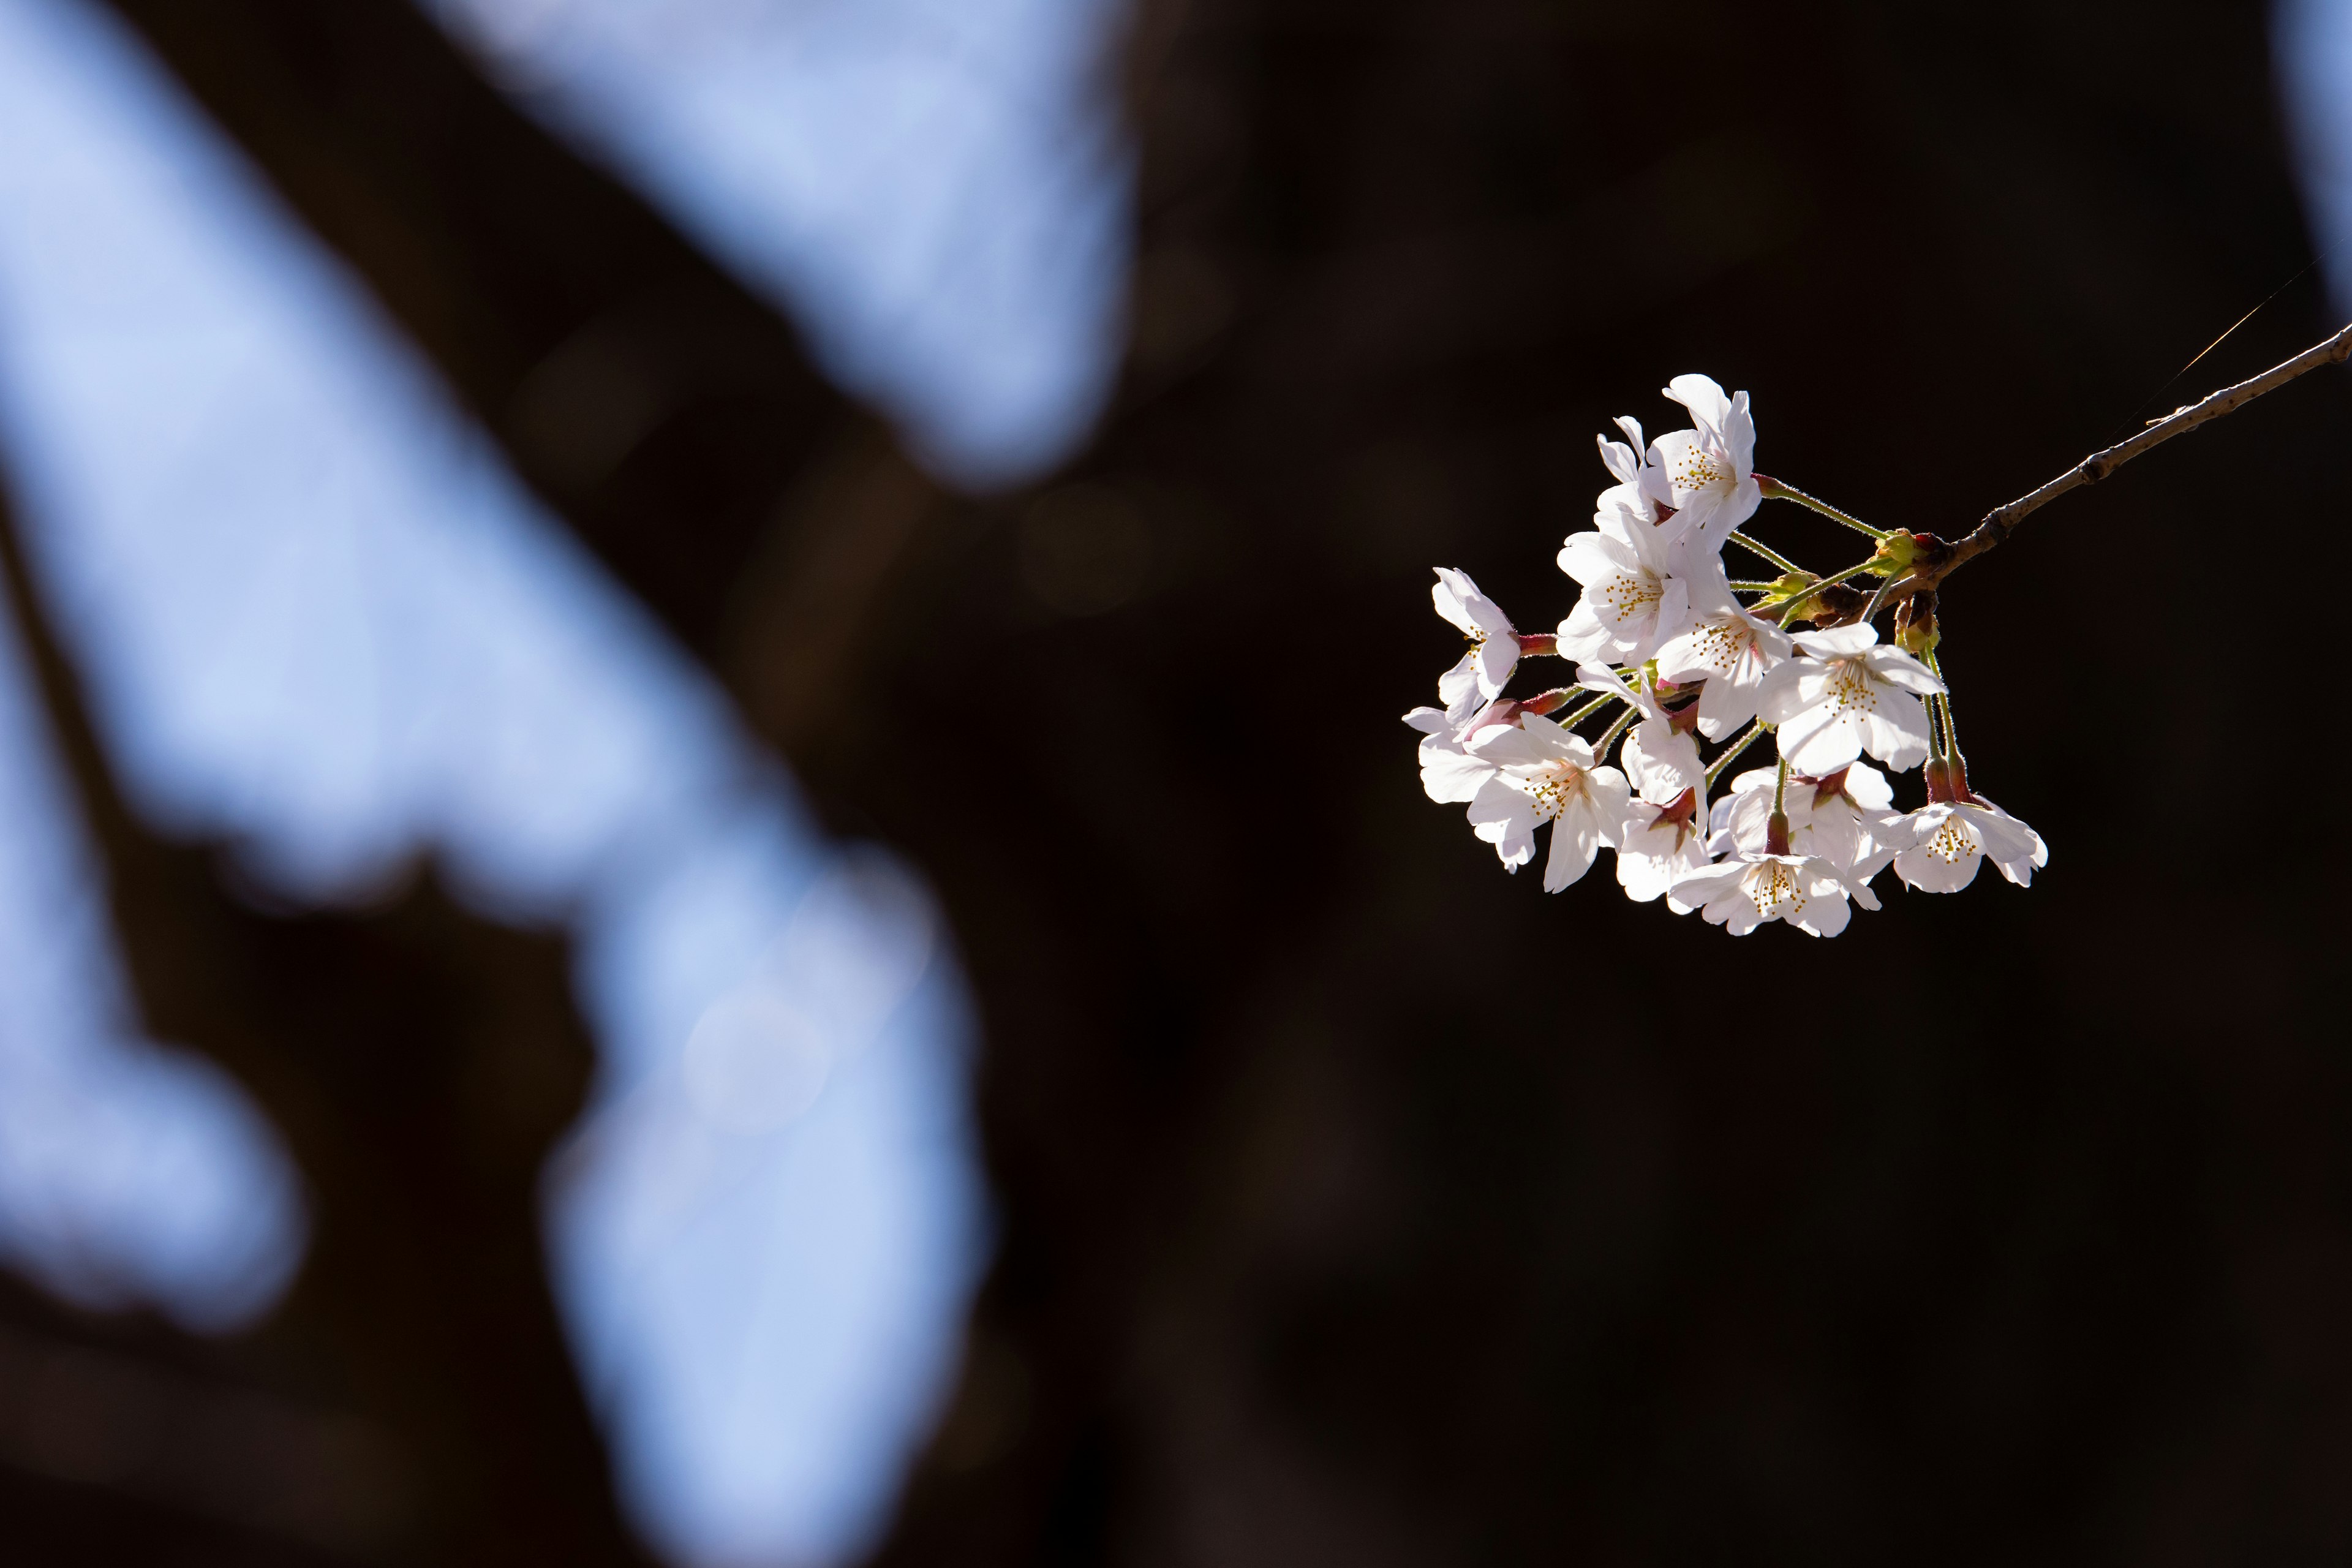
pixel 1554 787
pixel 1631 596
pixel 1852 688
pixel 1722 643
pixel 1952 843
pixel 1773 887
pixel 1697 469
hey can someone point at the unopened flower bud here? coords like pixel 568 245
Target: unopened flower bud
pixel 1833 605
pixel 1916 630
pixel 1894 554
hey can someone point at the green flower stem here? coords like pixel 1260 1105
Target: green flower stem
pixel 1740 585
pixel 1775 557
pixel 1601 752
pixel 1715 769
pixel 1943 705
pixel 1775 489
pixel 1587 711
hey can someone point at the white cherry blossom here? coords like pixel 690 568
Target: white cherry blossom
pixel 1546 773
pixel 1655 622
pixel 1662 843
pixel 1952 838
pixel 1707 473
pixel 1661 758
pixel 1636 500
pixel 1730 650
pixel 1450 776
pixel 1846 695
pixel 1632 601
pixel 1847 817
pixel 1494 654
pixel 1753 888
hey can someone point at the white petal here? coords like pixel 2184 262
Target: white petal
pixel 1451 778
pixel 1709 408
pixel 1896 731
pixel 1458 687
pixel 1673 612
pixel 1895 667
pixel 1487 615
pixel 1661 763
pixel 1574 846
pixel 1624 462
pixel 1818 740
pixel 1740 435
pixel 1781 694
pixel 1510 746
pixel 1708 883
pixel 1448 594
pixel 1601 677
pixel 1824 916
pixel 1868 788
pixel 1582 635
pixel 1611 796
pixel 1495 659
pixel 1838 642
pixel 1723 707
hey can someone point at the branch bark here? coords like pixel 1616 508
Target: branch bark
pixel 2001 521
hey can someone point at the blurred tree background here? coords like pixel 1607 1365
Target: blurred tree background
pixel 1358 1204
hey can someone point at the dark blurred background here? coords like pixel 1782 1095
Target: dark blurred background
pixel 710 858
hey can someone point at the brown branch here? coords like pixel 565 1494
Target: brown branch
pixel 2001 521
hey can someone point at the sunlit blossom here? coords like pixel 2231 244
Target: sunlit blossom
pixel 1730 650
pixel 1843 695
pixel 1546 773
pixel 1707 473
pixel 1753 888
pixel 1680 663
pixel 1951 839
pixel 1847 817
pixel 1450 776
pixel 1494 654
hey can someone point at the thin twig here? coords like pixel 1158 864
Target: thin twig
pixel 1777 559
pixel 1587 711
pixel 1774 489
pixel 1608 736
pixel 1715 769
pixel 2001 521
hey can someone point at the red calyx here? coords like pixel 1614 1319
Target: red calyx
pixel 1683 812
pixel 1947 781
pixel 1503 710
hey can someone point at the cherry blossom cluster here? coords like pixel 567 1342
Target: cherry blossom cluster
pixel 1668 654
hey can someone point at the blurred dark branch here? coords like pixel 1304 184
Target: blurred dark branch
pixel 651 400
pixel 420 1063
